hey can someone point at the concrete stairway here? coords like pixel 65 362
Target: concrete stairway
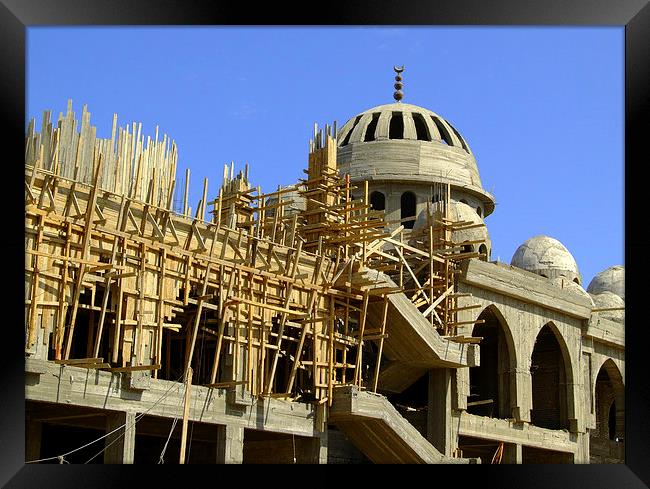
pixel 378 430
pixel 413 346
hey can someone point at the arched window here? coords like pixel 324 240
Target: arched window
pixel 421 128
pixel 577 280
pixel 370 130
pixel 483 250
pixel 396 127
pixel 608 407
pixel 479 211
pixel 490 381
pixel 408 209
pixel 462 141
pixel 346 140
pixel 377 201
pixel 444 133
pixel 549 382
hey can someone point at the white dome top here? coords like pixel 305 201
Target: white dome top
pixel 611 280
pixel 546 256
pixel 607 300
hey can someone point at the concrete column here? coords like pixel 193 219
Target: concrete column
pixel 120 446
pixel 320 443
pixel 524 395
pixel 33 434
pixel 230 444
pixel 439 410
pixel 512 453
pixel 581 456
pixel 319 449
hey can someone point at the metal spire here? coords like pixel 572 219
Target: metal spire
pixel 398 95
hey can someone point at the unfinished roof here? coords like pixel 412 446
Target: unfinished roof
pixel 611 280
pixel 405 142
pixel 542 254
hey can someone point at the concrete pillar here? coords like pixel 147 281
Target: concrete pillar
pixel 320 444
pixel 512 453
pixel 33 434
pixel 524 395
pixel 439 410
pixel 319 449
pixel 120 446
pixel 230 444
pixel 581 456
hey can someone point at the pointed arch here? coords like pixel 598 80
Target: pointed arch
pixel 552 380
pixel 609 410
pixel 492 383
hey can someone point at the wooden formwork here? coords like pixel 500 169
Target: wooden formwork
pixel 244 294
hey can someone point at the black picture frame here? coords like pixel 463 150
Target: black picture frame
pixel 634 15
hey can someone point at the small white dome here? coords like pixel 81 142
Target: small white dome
pixel 546 256
pixel 611 280
pixel 295 202
pixel 607 300
pixel 460 212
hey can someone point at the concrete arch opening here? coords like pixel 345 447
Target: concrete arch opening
pixel 377 201
pixel 607 439
pixel 407 209
pixel 549 382
pixel 490 382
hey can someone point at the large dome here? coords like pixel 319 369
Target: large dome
pixel 408 143
pixel 611 280
pixel 546 256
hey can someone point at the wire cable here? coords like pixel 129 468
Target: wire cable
pixel 106 435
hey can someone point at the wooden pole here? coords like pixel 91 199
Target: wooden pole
pixel 186 412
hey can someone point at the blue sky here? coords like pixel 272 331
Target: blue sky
pixel 542 108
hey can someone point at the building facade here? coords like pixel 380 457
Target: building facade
pixel 350 318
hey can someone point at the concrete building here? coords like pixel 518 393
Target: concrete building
pixel 342 320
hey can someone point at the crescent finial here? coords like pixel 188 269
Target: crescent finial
pixel 398 70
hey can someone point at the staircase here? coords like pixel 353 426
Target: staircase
pixel 378 430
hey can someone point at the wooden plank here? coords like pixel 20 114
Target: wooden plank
pixel 134 368
pixel 186 412
pixel 77 361
pixel 84 255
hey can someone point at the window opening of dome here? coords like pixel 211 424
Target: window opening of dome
pixel 444 133
pixel 347 136
pixel 396 129
pixel 421 128
pixel 408 209
pixel 370 131
pixel 483 250
pixel 377 201
pixel 467 248
pixel 577 280
pixel 479 211
pixel 462 141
